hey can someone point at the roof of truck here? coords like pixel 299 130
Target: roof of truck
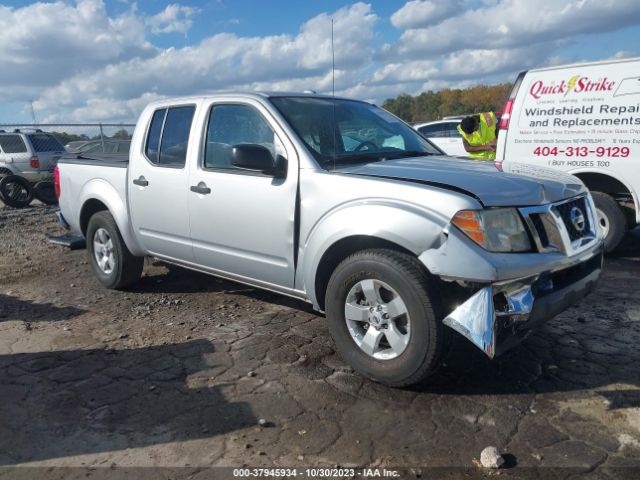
pixel 248 94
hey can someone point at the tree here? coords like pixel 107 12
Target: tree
pixel 400 106
pixel 428 106
pixel 122 134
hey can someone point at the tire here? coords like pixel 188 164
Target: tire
pixel 45 191
pixel 384 274
pixel 16 191
pixel 611 219
pixel 121 268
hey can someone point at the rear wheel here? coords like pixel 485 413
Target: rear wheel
pixel 45 192
pixel 111 261
pixel 16 191
pixel 611 220
pixel 382 313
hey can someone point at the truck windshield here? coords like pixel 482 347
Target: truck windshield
pixel 339 132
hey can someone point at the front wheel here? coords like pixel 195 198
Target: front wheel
pixel 382 313
pixel 611 220
pixel 111 261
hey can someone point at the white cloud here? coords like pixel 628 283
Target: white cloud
pixel 513 23
pixel 459 68
pixel 81 64
pixel 622 54
pixel 43 43
pixel 221 62
pixel 423 13
pixel 174 18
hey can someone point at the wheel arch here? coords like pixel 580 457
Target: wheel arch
pixel 403 227
pixel 99 195
pixel 609 184
pixel 88 210
pixel 5 170
pixel 340 250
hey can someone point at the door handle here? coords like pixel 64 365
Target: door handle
pixel 141 181
pixel 201 188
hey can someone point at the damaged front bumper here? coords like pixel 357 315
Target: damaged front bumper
pixel 500 315
pixel 507 295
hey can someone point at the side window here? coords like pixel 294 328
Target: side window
pixel 12 144
pixel 153 136
pixel 453 130
pixel 175 136
pixel 231 125
pixel 431 131
pixel 168 136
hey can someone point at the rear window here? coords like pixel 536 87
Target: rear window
pixel 12 144
pixel 42 142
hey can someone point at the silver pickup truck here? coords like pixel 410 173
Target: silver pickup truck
pixel 339 203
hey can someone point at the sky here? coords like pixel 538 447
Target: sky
pixel 104 60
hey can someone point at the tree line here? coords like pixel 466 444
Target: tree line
pixel 64 137
pixel 431 105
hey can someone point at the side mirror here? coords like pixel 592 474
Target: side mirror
pixel 256 158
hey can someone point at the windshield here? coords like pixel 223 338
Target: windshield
pixel 339 132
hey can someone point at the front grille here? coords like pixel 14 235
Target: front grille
pixel 540 230
pixel 566 227
pixel 574 215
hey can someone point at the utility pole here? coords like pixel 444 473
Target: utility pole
pixel 33 113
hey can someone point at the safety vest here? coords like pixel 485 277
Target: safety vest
pixel 485 134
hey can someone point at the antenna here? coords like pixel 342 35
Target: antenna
pixel 333 64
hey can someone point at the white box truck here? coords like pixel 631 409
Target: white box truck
pixel 583 119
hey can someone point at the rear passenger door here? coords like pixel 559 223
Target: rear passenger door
pixel 244 223
pixel 158 184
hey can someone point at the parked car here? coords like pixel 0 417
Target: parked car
pixel 106 146
pixel 31 154
pixel 341 204
pixel 582 119
pixel 444 134
pixel 75 145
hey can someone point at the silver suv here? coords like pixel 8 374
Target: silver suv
pixel 30 154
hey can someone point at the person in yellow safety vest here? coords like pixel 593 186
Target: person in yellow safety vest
pixel 479 135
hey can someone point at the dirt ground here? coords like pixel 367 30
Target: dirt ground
pixel 189 370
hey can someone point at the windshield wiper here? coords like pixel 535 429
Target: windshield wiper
pixel 407 153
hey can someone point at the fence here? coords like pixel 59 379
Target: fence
pixel 102 133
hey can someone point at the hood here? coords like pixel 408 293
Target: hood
pixel 518 185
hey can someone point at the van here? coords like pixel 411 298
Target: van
pixel 583 119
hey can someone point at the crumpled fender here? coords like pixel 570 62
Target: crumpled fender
pixel 413 227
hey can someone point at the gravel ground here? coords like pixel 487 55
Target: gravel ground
pixel 190 370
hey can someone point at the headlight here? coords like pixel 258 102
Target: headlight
pixel 496 229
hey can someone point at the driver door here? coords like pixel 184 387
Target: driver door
pixel 242 221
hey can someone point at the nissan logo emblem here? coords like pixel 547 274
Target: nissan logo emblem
pixel 577 219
